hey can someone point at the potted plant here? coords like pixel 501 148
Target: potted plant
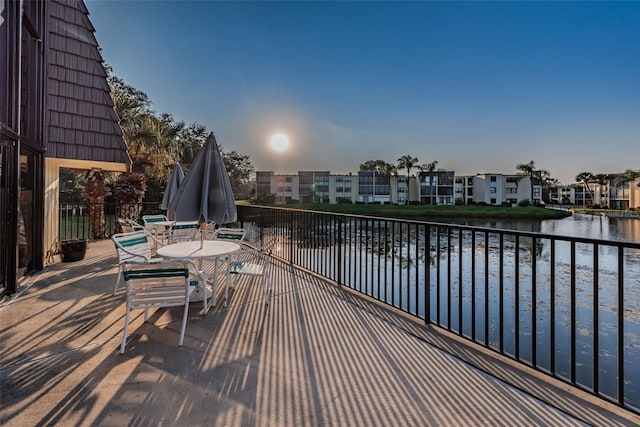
pixel 73 250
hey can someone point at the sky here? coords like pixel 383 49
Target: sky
pixel 478 87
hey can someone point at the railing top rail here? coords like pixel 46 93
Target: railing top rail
pixel 490 230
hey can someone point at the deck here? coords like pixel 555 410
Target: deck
pixel 317 355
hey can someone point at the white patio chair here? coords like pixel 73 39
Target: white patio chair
pixel 133 247
pixel 128 225
pixel 234 234
pixel 150 224
pixel 210 230
pixel 253 263
pixel 184 232
pixel 157 285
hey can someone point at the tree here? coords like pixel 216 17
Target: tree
pixel 240 170
pixel 428 167
pixel 379 166
pixel 535 175
pixel 72 184
pixel 407 162
pixel 129 191
pixel 586 178
pixel 628 176
pixel 602 179
pixel 94 193
pixel 150 138
pixel 190 139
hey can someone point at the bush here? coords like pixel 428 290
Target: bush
pixel 524 203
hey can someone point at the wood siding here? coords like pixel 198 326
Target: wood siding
pixel 82 123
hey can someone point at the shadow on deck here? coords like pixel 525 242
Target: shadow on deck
pixel 317 355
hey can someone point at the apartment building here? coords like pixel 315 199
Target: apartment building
pixel 609 193
pixel 305 187
pixel 622 195
pixel 436 188
pixel 495 189
pixel 562 195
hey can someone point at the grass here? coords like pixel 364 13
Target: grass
pixel 428 213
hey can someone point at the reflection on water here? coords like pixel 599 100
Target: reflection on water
pixel 577 225
pixel 595 227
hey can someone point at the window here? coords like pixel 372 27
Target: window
pixel 347 189
pixel 458 180
pixel 493 201
pixel 339 190
pixel 458 190
pixel 492 190
pixel 510 190
pixel 492 179
pixel 470 181
pixel 288 179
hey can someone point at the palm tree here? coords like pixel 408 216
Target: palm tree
pixel 602 179
pixel 94 193
pixel 407 162
pixel 535 175
pixel 428 167
pixel 586 178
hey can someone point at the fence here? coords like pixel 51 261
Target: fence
pixel 569 307
pixel 74 219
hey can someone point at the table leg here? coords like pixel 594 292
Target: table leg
pixel 215 282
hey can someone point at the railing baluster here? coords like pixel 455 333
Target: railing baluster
pixel 427 274
pixel 596 321
pixel 572 357
pixel 473 285
pixel 460 286
pixel 516 297
pixel 534 297
pixel 438 281
pixel 620 312
pixel 552 307
pixel 486 290
pixel 501 299
pixel 449 278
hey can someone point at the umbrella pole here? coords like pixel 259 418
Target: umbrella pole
pixel 202 225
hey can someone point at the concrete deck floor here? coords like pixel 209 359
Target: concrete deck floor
pixel 317 355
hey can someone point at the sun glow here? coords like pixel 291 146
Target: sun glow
pixel 279 142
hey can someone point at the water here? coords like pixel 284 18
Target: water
pixel 578 225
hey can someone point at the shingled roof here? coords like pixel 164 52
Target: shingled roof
pixel 83 124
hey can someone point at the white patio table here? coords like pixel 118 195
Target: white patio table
pixel 199 250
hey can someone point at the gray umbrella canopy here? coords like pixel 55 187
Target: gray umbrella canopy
pixel 177 176
pixel 205 193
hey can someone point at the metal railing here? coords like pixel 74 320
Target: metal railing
pixel 74 222
pixel 566 306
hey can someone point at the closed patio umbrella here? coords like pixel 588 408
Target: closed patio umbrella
pixel 177 176
pixel 205 195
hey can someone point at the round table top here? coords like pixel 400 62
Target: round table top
pixel 209 249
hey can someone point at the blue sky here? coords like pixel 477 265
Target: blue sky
pixel 477 86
